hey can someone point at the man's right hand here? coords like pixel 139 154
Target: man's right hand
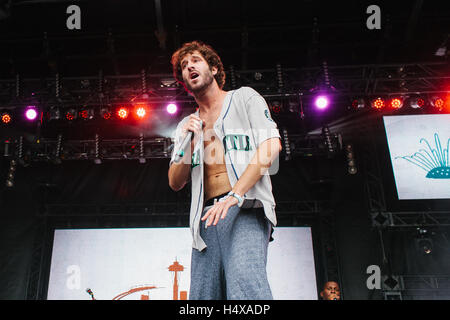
pixel 179 172
pixel 194 124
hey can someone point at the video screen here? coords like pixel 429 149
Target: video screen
pixel 141 264
pixel 419 149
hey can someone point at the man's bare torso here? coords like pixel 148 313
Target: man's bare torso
pixel 215 172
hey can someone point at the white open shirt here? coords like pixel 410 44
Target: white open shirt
pixel 245 121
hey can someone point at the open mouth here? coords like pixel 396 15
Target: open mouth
pixel 194 75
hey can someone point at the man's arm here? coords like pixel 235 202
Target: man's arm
pixel 264 156
pixel 179 175
pixel 179 172
pixel 261 162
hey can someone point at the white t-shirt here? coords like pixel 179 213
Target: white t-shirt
pixel 244 122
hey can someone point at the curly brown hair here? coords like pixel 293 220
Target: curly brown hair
pixel 211 57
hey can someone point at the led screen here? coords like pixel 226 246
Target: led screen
pixel 134 264
pixel 419 149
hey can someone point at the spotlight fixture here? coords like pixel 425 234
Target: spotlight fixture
pixel 416 102
pixel 378 103
pixel 396 102
pixel 327 137
pixel 6 117
pixel 71 114
pixel 275 106
pixel 358 103
pixel 122 113
pixel 350 159
pixel 105 113
pixel 87 113
pixel 10 176
pixel 437 102
pixel 31 113
pixel 321 102
pixel 287 145
pixel 424 243
pixel 54 113
pixel 141 111
pixel 171 108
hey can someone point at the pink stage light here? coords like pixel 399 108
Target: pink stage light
pixel 321 102
pixel 171 108
pixel 31 113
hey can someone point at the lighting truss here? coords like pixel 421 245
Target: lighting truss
pixel 140 148
pixel 92 149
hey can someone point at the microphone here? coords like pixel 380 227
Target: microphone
pixel 186 141
pixel 89 291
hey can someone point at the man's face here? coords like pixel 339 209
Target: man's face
pixel 197 75
pixel 331 291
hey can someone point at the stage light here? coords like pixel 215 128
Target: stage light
pixel 171 108
pixel 11 173
pixel 122 113
pixel 275 106
pixel 71 114
pixel 31 113
pixel 378 103
pixel 6 117
pixel 358 103
pixel 105 113
pixel 424 241
pixel 141 112
pixel 351 164
pixel 327 137
pixel 87 114
pixel 437 102
pixel 54 113
pixel 321 102
pixel 416 102
pixel 287 145
pixel 396 103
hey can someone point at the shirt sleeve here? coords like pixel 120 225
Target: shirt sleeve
pixel 263 126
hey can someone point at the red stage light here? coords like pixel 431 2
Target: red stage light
pixel 122 113
pixel 420 102
pixel 141 112
pixel 6 118
pixel 84 114
pixel 438 103
pixel 87 114
pixel 105 113
pixel 396 103
pixel 71 114
pixel 378 104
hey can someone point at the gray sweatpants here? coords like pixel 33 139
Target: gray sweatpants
pixel 233 265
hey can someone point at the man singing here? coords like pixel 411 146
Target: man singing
pixel 235 142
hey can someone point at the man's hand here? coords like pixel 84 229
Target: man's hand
pixel 219 210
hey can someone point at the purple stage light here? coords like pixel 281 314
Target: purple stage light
pixel 321 102
pixel 31 113
pixel 171 108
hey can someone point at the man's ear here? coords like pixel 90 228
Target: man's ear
pixel 321 294
pixel 214 70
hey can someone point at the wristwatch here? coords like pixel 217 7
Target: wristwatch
pixel 238 197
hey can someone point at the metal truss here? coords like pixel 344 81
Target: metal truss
pixel 411 219
pixel 142 149
pixel 429 287
pixel 56 150
pixel 284 208
pixel 276 82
